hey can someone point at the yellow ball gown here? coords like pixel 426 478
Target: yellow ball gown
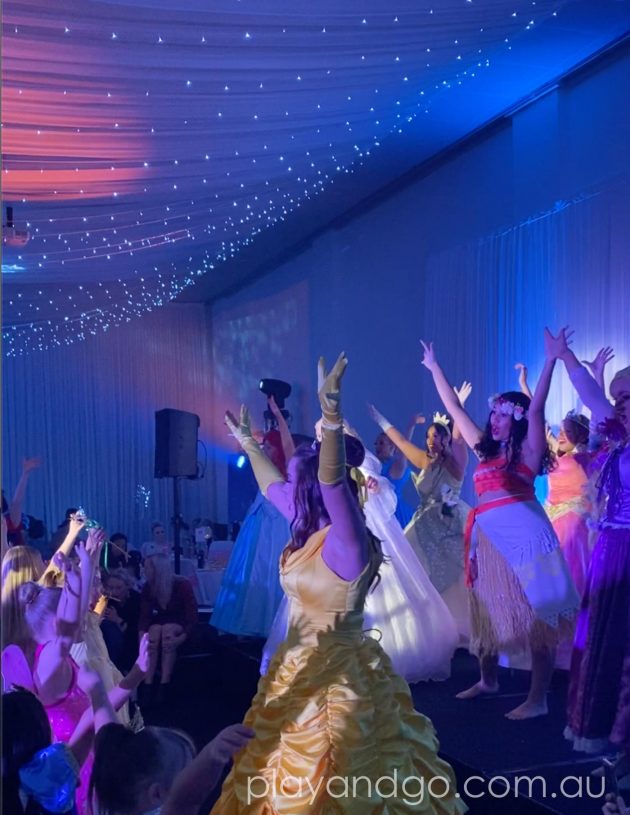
pixel 336 731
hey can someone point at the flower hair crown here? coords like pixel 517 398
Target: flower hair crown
pixel 507 408
pixel 441 418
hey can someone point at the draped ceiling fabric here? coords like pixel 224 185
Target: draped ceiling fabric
pixel 148 141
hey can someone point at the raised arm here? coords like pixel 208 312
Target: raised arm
pixel 522 379
pixel 15 507
pixel 102 710
pixel 414 454
pixel 588 390
pixel 469 430
pixel 536 427
pixel 346 547
pixel 52 674
pixel 288 447
pixel 598 365
pixel 459 459
pixel 75 526
pixel 100 713
pixel 270 480
pixel 196 781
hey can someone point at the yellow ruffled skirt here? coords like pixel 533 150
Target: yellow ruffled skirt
pixel 336 733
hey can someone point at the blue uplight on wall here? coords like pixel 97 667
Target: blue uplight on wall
pixel 240 462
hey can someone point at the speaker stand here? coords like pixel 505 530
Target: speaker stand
pixel 177 525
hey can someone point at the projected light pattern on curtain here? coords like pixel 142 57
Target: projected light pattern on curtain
pixel 146 143
pixel 267 339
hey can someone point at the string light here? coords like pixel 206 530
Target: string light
pixel 145 205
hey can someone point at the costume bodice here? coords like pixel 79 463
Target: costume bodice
pixel 492 475
pixel 617 511
pixel 64 714
pixel 319 600
pixel 430 482
pixel 398 483
pixel 567 480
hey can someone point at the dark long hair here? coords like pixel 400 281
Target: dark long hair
pixel 488 448
pixel 310 512
pixel 125 763
pixel 443 432
pixel 25 731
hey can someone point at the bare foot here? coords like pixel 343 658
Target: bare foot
pixel 477 690
pixel 528 710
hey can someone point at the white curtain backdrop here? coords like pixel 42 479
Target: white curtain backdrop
pixel 569 266
pixel 88 410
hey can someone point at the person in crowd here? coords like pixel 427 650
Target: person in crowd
pixel 12 511
pixel 43 664
pixel 156 770
pixel 39 776
pixel 168 614
pixel 121 618
pixel 159 541
pixel 23 564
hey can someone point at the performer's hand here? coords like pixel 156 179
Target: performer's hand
pixel 377 416
pixel 463 392
pixel 429 360
pixel 240 429
pixel 556 347
pixel 602 358
pixel 329 389
pixel 30 464
pixel 273 407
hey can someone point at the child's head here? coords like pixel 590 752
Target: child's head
pixel 25 731
pixel 133 772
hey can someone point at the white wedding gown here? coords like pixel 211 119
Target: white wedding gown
pixel 403 610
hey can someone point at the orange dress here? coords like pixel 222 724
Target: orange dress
pixel 336 731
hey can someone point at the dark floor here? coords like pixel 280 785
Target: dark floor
pixel 216 680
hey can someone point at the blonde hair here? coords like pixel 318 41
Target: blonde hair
pixel 159 578
pixel 38 605
pixel 20 565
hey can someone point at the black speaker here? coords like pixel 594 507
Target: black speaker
pixel 175 443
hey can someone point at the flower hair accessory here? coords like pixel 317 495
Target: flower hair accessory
pixel 441 418
pixel 507 408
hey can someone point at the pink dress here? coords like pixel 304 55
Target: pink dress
pixel 568 509
pixel 64 716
